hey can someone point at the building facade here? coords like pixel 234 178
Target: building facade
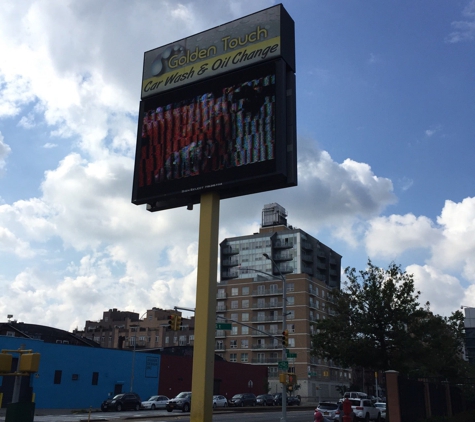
pixel 126 330
pixel 250 296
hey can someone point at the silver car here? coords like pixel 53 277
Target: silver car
pixel 328 409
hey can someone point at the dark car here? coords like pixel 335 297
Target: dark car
pixel 124 401
pixel 291 400
pixel 181 402
pixel 265 400
pixel 245 399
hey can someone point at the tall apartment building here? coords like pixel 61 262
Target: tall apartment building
pixel 250 294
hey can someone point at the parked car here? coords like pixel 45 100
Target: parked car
pixel 125 401
pixel 382 407
pixel 291 400
pixel 364 409
pixel 155 402
pixel 245 399
pixel 220 401
pixel 265 400
pixel 328 409
pixel 355 395
pixel 181 402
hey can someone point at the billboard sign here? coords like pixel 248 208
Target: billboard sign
pixel 231 46
pixel 232 130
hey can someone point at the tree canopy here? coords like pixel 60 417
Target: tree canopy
pixel 377 322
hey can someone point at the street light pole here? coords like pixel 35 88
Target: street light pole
pixel 284 327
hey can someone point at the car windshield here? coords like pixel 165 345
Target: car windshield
pixel 380 405
pixel 153 398
pixel 118 396
pixel 328 406
pixel 182 395
pixel 237 396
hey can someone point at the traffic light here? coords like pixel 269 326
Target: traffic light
pixel 29 362
pixel 5 363
pixel 292 378
pixel 285 338
pixel 171 322
pixel 178 322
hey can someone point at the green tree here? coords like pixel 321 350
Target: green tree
pixel 377 322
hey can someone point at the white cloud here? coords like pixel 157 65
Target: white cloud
pixel 4 152
pixel 389 237
pixel 441 290
pixel 464 30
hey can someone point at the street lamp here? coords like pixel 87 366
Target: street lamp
pixel 284 327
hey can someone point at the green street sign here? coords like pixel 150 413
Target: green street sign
pixel 284 365
pixel 291 355
pixel 223 326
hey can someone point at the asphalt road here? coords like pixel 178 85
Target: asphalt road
pixel 268 414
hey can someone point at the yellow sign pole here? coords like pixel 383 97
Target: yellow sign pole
pixel 205 314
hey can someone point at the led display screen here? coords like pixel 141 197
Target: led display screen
pixel 225 134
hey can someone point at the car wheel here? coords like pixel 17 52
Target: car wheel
pixel 119 407
pixel 137 407
pixel 186 407
pixel 366 418
pixel 242 404
pixel 168 409
pixel 214 405
pixel 153 407
pixel 378 419
pixel 226 404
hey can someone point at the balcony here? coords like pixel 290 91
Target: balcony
pixel 220 348
pixel 229 274
pixel 307 257
pixel 265 359
pixel 221 308
pixel 265 292
pixel 229 250
pixel 267 346
pixel 283 256
pixel 220 333
pixel 267 318
pixel 283 245
pixel 230 262
pixel 266 305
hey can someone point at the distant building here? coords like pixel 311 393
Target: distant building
pixel 250 294
pixel 125 330
pixel 469 335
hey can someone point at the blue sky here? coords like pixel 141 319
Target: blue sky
pixel 386 132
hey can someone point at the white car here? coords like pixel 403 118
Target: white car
pixel 155 402
pixel 382 407
pixel 220 401
pixel 365 409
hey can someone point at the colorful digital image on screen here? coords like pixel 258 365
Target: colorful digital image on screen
pixel 215 130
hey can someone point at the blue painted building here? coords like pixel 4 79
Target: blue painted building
pixel 75 377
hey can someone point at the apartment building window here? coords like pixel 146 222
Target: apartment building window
pixel 261 303
pixel 221 306
pixel 261 327
pixel 245 317
pixel 273 302
pixel 291 328
pixel 290 287
pixel 291 342
pixel 261 343
pixel 244 344
pixel 261 316
pixel 192 337
pixel 316 291
pixel 261 289
pixel 273 288
pixel 244 357
pixel 290 300
pixel 219 345
pixel 261 357
pixel 245 330
pixel 245 303
pixel 167 340
pixel 221 293
pixel 234 304
pixel 233 344
pixel 233 357
pixel 273 371
pixel 234 330
pixel 290 314
pixel 273 329
pixel 182 341
pixel 317 304
pixel 157 338
pixel 234 317
pixel 235 291
pixel 245 291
